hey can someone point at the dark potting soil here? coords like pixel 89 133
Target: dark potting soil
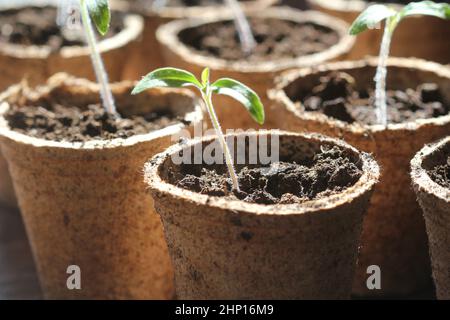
pixel 60 123
pixel 441 174
pixel 38 26
pixel 336 96
pixel 276 39
pixel 328 172
pixel 180 3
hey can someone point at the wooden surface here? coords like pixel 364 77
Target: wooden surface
pixel 18 279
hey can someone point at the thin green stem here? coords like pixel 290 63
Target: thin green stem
pixel 228 159
pixel 102 78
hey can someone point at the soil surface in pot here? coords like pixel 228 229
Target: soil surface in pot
pixel 181 3
pixel 337 96
pixel 38 26
pixel 55 122
pixel 276 39
pixel 441 174
pixel 329 172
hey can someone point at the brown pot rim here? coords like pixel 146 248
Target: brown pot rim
pixel 419 176
pixel 365 184
pixel 279 96
pixel 168 36
pixel 133 28
pixel 58 79
pixel 182 12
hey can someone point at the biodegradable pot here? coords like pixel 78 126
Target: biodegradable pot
pixel 421 37
pixel 85 203
pixel 147 54
pixel 229 249
pixel 38 63
pixel 258 76
pixel 394 233
pixel 435 202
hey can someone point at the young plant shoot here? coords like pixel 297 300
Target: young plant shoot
pixel 371 17
pixel 98 11
pixel 245 34
pixel 246 37
pixel 176 78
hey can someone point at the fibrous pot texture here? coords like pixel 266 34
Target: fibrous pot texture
pixel 434 199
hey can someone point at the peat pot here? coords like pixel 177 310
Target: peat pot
pixel 85 203
pixel 225 248
pixel 37 63
pixel 434 199
pixel 393 235
pixel 259 74
pixel 146 54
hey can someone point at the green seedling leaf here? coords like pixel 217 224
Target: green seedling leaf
pixel 167 77
pixel 370 17
pixel 429 8
pixel 98 11
pixel 376 13
pixel 100 14
pixel 205 77
pixel 243 94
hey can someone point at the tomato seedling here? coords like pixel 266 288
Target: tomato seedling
pixel 375 14
pixel 98 11
pixel 176 78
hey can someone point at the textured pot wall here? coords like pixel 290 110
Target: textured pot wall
pixel 394 233
pixel 223 249
pixel 259 76
pixel 145 55
pixel 435 202
pixel 86 204
pixel 7 195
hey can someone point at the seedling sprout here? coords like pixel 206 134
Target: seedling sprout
pixel 371 17
pixel 245 34
pixel 176 78
pixel 246 37
pixel 98 11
